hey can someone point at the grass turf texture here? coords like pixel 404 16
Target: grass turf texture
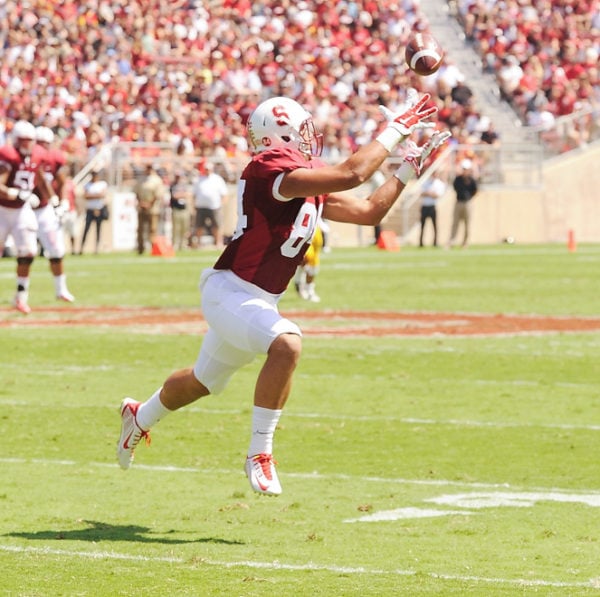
pixel 374 425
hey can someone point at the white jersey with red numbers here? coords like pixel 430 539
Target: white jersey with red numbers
pixel 272 235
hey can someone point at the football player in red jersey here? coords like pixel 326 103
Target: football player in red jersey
pixel 283 191
pixel 51 209
pixel 21 172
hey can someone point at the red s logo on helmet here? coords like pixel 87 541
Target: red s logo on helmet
pixel 281 115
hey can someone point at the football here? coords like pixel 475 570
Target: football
pixel 423 54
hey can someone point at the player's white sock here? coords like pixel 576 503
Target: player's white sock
pixel 264 422
pixel 22 283
pixel 60 284
pixel 152 411
pixel 23 288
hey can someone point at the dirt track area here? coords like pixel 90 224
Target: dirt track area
pixel 313 323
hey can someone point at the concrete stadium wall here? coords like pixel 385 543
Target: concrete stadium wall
pixel 569 199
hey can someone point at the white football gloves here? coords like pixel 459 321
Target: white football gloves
pixel 28 197
pixel 24 195
pixel 415 156
pixel 61 209
pixel 408 119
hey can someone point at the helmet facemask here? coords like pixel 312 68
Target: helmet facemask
pixel 311 142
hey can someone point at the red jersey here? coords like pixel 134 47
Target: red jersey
pixel 271 236
pixel 22 170
pixel 55 160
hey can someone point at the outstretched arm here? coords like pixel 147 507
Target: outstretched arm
pixel 361 165
pixel 344 207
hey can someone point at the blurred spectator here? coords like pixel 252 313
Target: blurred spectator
pixel 509 76
pixel 462 94
pixel 466 187
pixel 210 192
pixel 489 135
pixel 180 202
pixel 433 189
pixel 96 208
pixel 150 195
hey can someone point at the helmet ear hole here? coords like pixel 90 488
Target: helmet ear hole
pixel 286 138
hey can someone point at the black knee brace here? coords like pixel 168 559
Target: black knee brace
pixel 24 260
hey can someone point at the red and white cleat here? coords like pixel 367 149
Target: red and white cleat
pixel 260 470
pixel 131 433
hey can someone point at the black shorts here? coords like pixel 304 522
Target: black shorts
pixel 208 218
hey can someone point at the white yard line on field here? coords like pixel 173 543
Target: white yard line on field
pixel 312 566
pixel 309 476
pixel 451 422
pixel 358 418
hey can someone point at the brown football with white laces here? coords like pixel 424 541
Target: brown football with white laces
pixel 423 54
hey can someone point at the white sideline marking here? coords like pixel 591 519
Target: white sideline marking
pixel 110 555
pixel 95 555
pixel 367 418
pixel 514 499
pixel 453 422
pixel 405 514
pixel 477 501
pixel 314 475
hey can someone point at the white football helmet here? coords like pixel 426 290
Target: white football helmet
pixel 283 122
pixel 43 134
pixel 23 135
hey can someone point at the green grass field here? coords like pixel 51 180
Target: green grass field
pixel 423 465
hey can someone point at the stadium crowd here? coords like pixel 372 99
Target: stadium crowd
pixel 544 54
pixel 189 73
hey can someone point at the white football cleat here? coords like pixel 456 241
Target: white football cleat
pixel 20 304
pixel 65 296
pixel 260 470
pixel 131 433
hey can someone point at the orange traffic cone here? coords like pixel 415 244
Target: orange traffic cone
pixel 571 244
pixel 388 241
pixel 162 247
